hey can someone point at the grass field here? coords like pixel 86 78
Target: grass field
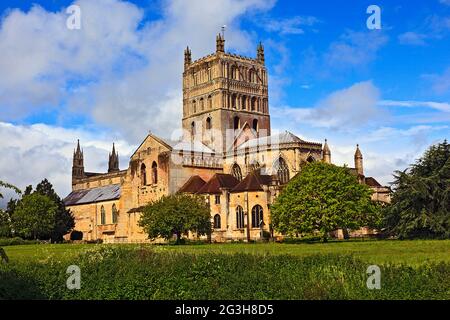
pixel 405 252
pixel 336 270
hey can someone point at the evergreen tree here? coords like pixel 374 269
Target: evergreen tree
pixel 420 206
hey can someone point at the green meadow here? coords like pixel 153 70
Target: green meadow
pixel 418 269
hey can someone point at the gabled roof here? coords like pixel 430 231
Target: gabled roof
pixel 150 135
pixel 254 181
pixel 274 140
pixel 217 182
pixel 194 184
pixel 372 182
pixel 99 194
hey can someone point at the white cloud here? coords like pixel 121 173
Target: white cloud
pixel 355 49
pixel 412 38
pixel 440 106
pixel 32 153
pixel 440 82
pixel 289 26
pixel 41 56
pixel 123 72
pixel 345 109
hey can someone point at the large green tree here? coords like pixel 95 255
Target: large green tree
pixel 322 198
pixel 34 216
pixel 420 206
pixel 176 215
pixel 64 220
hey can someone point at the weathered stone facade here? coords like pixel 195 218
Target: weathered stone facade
pixel 227 153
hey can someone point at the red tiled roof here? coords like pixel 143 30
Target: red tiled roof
pixel 194 184
pixel 254 181
pixel 218 181
pixel 371 182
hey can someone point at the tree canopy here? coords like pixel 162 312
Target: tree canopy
pixel 20 215
pixel 322 198
pixel 420 206
pixel 34 216
pixel 176 215
pixel 64 220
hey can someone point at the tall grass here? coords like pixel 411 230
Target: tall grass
pixel 146 273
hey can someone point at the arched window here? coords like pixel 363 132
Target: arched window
pixel 209 102
pixel 251 76
pixel 255 165
pixel 282 171
pixel 239 217
pixel 192 129
pixel 114 214
pixel 310 159
pixel 143 175
pixel 235 72
pixel 257 216
pixel 236 123
pixel 208 123
pixel 202 104
pixel 236 172
pixel 233 101
pixel 102 215
pixel 154 173
pixel 244 100
pixel 194 106
pixel 255 125
pixel 217 221
pixel 253 104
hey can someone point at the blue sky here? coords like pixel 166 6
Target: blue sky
pixel 120 76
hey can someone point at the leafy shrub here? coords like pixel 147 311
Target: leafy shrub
pixel 16 241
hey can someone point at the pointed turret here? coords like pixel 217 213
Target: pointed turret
pixel 326 153
pixel 220 43
pixel 359 161
pixel 78 163
pixel 187 57
pixel 113 163
pixel 260 53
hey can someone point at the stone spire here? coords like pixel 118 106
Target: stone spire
pixel 359 161
pixel 113 163
pixel 326 153
pixel 220 43
pixel 78 163
pixel 260 53
pixel 187 57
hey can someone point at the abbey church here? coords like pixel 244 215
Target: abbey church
pixel 227 153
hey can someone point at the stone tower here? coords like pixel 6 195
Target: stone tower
pixel 113 163
pixel 359 161
pixel 222 93
pixel 78 163
pixel 326 153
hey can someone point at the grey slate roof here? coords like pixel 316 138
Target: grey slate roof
pixel 99 194
pixel 274 140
